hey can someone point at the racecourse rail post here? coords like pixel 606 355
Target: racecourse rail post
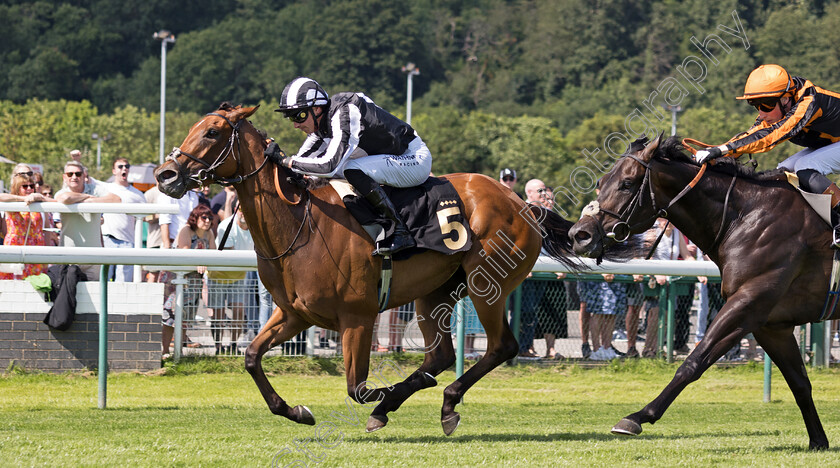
pixel 179 283
pixel 672 325
pixel 459 338
pixel 768 368
pixel 103 337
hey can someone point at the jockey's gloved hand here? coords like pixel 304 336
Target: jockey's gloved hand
pixel 709 154
pixel 274 153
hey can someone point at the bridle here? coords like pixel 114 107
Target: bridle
pixel 208 174
pixel 622 229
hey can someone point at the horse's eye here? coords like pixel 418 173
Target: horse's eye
pixel 626 184
pixel 212 133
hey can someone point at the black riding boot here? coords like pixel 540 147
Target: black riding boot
pixel 373 193
pixel 402 238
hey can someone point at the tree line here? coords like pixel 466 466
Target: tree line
pixel 552 88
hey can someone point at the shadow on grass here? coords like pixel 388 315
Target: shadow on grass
pixel 559 436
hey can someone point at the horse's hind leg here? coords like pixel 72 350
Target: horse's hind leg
pixel 281 327
pixel 781 346
pixel 501 346
pixel 432 311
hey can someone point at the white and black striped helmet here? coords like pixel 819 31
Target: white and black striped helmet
pixel 302 93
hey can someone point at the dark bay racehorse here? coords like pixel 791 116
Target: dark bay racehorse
pixel 771 247
pixel 316 261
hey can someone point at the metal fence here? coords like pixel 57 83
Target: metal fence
pixel 549 319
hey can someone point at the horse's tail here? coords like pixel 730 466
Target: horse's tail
pixel 556 240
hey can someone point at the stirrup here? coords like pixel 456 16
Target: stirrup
pixel 399 243
pixel 835 237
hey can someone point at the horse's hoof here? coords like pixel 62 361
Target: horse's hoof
pixel 627 427
pixel 303 415
pixel 451 423
pixel 376 422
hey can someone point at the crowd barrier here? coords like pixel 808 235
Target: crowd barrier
pixel 184 260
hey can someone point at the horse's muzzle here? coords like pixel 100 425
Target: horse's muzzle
pixel 170 182
pixel 585 241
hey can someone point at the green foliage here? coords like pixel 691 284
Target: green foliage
pixel 529 84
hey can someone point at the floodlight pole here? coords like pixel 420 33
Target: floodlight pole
pixel 674 110
pixel 164 37
pixel 411 70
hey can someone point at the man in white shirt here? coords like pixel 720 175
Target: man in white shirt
pixel 170 224
pixel 117 228
pixel 82 229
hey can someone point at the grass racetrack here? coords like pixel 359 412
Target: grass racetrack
pixel 209 413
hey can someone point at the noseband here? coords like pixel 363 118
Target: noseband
pixel 208 174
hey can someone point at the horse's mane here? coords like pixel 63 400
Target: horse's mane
pixel 672 150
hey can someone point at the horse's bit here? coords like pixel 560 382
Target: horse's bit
pixel 209 173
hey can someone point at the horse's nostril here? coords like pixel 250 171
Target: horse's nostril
pixel 167 175
pixel 582 236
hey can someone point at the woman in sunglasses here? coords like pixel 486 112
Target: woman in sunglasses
pixel 25 228
pixel 792 108
pixel 350 137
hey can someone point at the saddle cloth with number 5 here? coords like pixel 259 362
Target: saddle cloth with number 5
pixel 432 211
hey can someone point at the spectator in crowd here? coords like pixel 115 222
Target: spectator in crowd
pixel 508 178
pixel 582 289
pixel 224 202
pixel 472 327
pixel 673 246
pixel 635 301
pixel 603 301
pixel 171 224
pixel 532 291
pixel 551 315
pixel 153 239
pixel 82 229
pixel 397 320
pixel 195 234
pixel 24 228
pixel 232 288
pixel 117 228
pixel 20 168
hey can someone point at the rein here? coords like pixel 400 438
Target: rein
pixel 307 219
pixel 209 173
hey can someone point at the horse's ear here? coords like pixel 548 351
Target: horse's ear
pixel 647 153
pixel 242 113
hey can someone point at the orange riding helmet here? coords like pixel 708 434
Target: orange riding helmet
pixel 768 81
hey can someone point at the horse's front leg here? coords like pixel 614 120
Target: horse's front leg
pixel 735 320
pixel 280 328
pixel 782 348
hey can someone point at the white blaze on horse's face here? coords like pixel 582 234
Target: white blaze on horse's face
pixel 591 209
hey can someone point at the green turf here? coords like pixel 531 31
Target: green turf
pixel 209 413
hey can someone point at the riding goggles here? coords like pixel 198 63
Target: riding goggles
pixel 765 104
pixel 297 115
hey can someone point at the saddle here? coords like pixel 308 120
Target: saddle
pixel 821 203
pixel 433 213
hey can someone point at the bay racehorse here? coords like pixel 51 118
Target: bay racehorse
pixel 316 261
pixel 772 248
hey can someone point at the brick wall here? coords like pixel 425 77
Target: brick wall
pixel 133 328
